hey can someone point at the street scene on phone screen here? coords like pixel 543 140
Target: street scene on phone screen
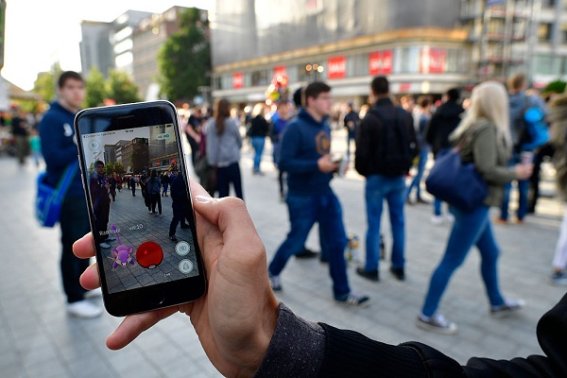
pixel 141 241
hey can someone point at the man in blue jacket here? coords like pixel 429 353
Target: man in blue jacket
pixel 305 157
pixel 60 151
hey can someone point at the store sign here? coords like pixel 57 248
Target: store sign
pixel 237 80
pixel 336 67
pixel 380 62
pixel 433 60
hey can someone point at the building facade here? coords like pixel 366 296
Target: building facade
pixel 424 47
pixel 95 47
pixel 148 37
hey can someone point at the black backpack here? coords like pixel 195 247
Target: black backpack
pixel 394 157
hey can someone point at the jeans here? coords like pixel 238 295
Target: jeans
pixel 180 213
pixel 416 182
pixel 74 222
pixel 304 211
pixel 393 190
pixel 523 188
pixel 226 176
pixel 155 199
pixel 470 228
pixel 258 144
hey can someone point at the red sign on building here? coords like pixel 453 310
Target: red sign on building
pixel 237 80
pixel 433 60
pixel 380 62
pixel 336 67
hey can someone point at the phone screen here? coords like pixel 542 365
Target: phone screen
pixel 141 212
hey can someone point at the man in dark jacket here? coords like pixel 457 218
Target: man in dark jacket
pixel 305 157
pixel 443 122
pixel 386 145
pixel 180 204
pixel 100 193
pixel 59 150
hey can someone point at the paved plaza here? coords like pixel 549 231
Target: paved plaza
pixel 38 338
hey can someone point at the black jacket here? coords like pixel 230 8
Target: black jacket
pixel 443 122
pixel 259 127
pixel 304 349
pixel 373 151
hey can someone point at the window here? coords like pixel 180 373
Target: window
pixel 546 64
pixel 357 65
pixel 259 78
pixel 544 32
pixel 407 60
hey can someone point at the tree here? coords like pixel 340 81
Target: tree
pixel 95 88
pixel 121 88
pixel 45 83
pixel 184 60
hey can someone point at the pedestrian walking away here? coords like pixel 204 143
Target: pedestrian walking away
pixel 385 148
pixel 484 139
pixel 223 150
pixel 422 125
pixel 443 122
pixel 259 128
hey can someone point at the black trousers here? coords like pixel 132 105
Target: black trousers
pixel 74 222
pixel 180 214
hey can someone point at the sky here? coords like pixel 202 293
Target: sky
pixel 41 32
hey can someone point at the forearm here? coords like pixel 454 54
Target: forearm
pixel 294 165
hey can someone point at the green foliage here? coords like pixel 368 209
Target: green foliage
pixel 117 167
pixel 184 60
pixel 95 88
pixel 121 88
pixel 557 86
pixel 46 83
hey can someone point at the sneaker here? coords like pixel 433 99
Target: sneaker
pixel 84 309
pixel 449 218
pixel 372 276
pixel 306 254
pixel 354 299
pixel 559 278
pixel 436 323
pixel 510 306
pixel 173 238
pixel 437 220
pixel 93 293
pixel 104 245
pixel 276 283
pixel 110 239
pixel 399 273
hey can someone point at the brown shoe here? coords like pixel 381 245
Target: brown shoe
pixel 499 220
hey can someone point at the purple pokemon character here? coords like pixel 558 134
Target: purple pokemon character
pixel 122 253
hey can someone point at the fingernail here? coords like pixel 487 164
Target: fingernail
pixel 203 199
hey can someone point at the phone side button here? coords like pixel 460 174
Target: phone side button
pixel 83 181
pixel 160 301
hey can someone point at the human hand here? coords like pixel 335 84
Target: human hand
pixel 524 171
pixel 236 318
pixel 326 165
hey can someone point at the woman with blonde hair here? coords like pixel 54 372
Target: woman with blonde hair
pixel 484 139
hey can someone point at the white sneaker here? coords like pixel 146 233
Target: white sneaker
pixel 84 309
pixel 437 220
pixel 104 245
pixel 450 218
pixel 94 293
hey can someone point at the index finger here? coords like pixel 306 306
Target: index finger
pixel 84 247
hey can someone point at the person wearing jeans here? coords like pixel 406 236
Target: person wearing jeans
pixel 259 128
pixel 380 188
pixel 305 156
pixel 422 125
pixel 484 139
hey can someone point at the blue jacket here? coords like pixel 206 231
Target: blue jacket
pixel 304 141
pixel 58 146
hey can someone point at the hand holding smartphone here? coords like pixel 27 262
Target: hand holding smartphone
pixel 146 246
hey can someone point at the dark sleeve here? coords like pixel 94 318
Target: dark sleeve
pixel 296 349
pixel 414 147
pixel 56 152
pixel 551 333
pixel 289 160
pixel 362 151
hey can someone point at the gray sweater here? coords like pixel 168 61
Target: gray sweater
pixel 223 150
